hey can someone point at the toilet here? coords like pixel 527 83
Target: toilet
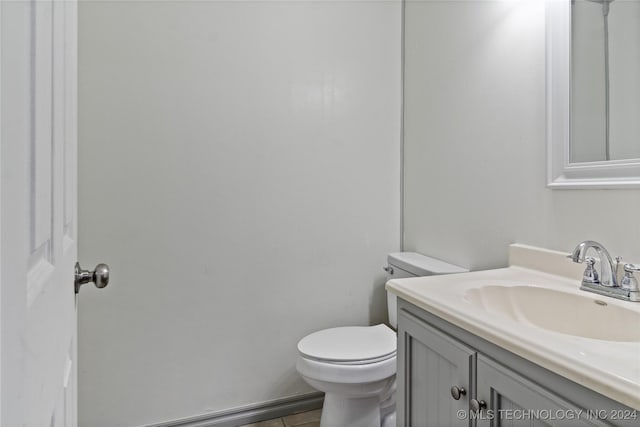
pixel 355 366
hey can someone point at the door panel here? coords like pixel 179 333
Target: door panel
pixel 514 401
pixel 38 155
pixel 432 363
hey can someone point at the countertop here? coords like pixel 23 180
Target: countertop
pixel 611 368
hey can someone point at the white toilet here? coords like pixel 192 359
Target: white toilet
pixel 356 365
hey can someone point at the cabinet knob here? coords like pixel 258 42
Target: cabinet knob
pixel 477 405
pixel 457 392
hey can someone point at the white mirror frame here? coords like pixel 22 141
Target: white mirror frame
pixel 561 174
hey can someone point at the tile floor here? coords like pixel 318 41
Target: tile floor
pixel 302 419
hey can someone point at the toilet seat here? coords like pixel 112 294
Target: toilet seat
pixel 350 345
pixel 339 373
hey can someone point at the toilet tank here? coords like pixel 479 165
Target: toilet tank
pixel 412 264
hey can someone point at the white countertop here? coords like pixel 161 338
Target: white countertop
pixel 611 368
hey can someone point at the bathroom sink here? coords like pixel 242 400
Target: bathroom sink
pixel 535 309
pixel 558 311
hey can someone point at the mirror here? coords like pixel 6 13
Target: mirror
pixel 605 80
pixel 593 93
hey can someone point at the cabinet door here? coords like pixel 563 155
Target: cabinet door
pixel 513 401
pixel 430 363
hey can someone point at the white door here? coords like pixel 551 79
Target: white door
pixel 38 215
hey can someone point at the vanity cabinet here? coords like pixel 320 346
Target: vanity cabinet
pixel 433 363
pixel 438 361
pixel 516 401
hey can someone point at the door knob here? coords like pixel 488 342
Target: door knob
pixel 99 276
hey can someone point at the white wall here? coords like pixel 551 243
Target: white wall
pixel 475 141
pixel 239 171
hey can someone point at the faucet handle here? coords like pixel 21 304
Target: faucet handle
pixel 618 269
pixel 631 268
pixel 629 281
pixel 590 274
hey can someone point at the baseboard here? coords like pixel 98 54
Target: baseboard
pixel 252 413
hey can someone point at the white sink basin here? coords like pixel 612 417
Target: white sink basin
pixel 535 309
pixel 566 313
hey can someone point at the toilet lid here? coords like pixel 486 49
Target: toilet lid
pixel 350 344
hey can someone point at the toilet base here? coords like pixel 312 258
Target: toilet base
pixel 389 420
pixel 341 411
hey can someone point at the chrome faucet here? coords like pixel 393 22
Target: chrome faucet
pixel 607 274
pixel 607 281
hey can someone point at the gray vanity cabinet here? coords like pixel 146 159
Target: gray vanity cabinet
pixel 518 402
pixel 432 363
pixel 436 360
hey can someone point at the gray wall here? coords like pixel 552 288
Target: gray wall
pixel 239 171
pixel 475 141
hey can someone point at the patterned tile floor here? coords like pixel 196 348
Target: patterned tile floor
pixel 302 419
